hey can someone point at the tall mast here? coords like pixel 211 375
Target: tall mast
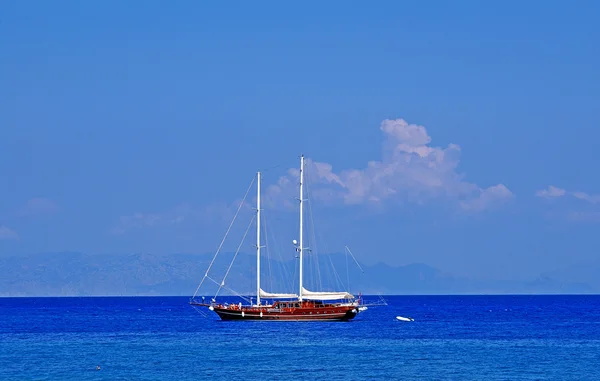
pixel 258 240
pixel 301 246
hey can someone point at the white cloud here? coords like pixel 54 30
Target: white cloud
pixel 7 233
pixel 554 192
pixel 410 170
pixel 587 213
pixel 551 192
pixel 487 198
pixel 39 205
pixel 594 199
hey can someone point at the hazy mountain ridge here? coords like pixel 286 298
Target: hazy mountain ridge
pixel 77 274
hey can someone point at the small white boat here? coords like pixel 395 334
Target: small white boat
pixel 402 318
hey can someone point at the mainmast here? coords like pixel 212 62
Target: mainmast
pixel 258 240
pixel 301 246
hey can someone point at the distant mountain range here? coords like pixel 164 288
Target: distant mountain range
pixel 77 274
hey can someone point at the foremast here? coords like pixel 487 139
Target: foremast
pixel 258 239
pixel 301 238
pixel 304 293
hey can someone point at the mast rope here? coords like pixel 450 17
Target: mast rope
pixel 225 237
pixel 347 269
pixel 230 289
pixel 278 259
pixel 237 293
pixel 314 259
pixel 264 225
pixel 235 256
pixel 335 272
pixel 357 264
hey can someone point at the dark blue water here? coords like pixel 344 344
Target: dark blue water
pixel 157 338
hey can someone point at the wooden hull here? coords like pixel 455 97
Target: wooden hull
pixel 300 314
pixel 306 312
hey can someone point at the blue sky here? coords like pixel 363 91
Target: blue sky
pixel 136 127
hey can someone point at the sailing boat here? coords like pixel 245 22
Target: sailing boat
pixel 304 306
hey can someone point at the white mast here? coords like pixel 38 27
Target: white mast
pixel 301 245
pixel 258 240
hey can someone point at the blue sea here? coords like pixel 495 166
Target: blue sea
pixel 163 338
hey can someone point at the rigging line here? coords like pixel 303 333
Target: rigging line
pixel 318 236
pixel 267 231
pixel 225 237
pixel 236 293
pixel 314 258
pixel 271 257
pixel 236 253
pixel 289 272
pixel 336 273
pixel 214 281
pixel 280 267
pixel 283 268
pixel 275 271
pixel 361 269
pixel 296 273
pixel 200 311
pixel 347 270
